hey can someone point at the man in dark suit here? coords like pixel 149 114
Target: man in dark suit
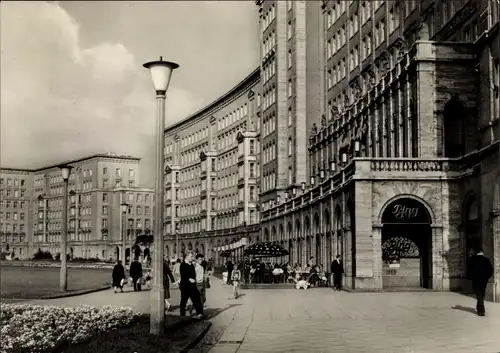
pixel 480 272
pixel 188 286
pixel 136 274
pixel 337 269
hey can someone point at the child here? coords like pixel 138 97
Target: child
pixel 235 277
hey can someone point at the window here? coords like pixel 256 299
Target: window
pixel 104 210
pixel 289 59
pixel 289 30
pixel 118 172
pixel 290 117
pixel 290 146
pixel 130 173
pixel 104 171
pixel 138 211
pixel 104 197
pixel 290 91
pixel 252 147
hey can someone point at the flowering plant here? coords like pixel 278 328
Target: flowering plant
pixel 40 328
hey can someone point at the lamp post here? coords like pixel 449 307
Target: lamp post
pixel 161 72
pixel 124 208
pixel 63 275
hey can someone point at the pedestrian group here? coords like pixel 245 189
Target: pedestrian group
pixel 191 275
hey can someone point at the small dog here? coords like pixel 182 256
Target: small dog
pixel 302 284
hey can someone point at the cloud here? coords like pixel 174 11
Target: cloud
pixel 60 100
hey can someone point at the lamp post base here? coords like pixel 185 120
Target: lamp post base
pixel 157 310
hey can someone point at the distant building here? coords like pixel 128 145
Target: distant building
pixel 31 207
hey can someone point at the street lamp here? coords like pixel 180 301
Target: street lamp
pixel 63 275
pixel 161 72
pixel 124 208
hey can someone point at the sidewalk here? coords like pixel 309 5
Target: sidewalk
pixel 139 301
pixel 320 320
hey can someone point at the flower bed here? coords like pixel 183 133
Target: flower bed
pixel 39 328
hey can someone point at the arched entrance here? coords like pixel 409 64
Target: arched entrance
pixel 266 235
pixel 127 254
pixel 472 228
pixel 317 240
pixel 117 253
pixel 406 244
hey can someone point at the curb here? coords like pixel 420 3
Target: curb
pixel 197 339
pixel 75 293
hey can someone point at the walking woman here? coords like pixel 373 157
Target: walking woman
pixel 177 270
pixel 118 275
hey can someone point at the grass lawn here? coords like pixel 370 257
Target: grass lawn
pixel 180 332
pixel 35 282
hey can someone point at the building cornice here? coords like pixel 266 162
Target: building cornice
pixel 101 156
pixel 245 84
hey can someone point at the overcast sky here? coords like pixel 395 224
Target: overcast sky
pixel 72 81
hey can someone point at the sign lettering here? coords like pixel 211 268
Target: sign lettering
pixel 402 212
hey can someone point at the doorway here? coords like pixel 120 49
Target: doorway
pixel 406 245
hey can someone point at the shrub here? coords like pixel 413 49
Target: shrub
pixel 39 328
pixel 42 255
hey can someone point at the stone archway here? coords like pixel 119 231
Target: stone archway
pixel 472 228
pixel 273 234
pixel 317 239
pixel 327 241
pixel 281 235
pixel 338 233
pixel 127 255
pixel 298 249
pixel 406 243
pixel 266 234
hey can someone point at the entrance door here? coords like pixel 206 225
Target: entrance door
pixel 406 245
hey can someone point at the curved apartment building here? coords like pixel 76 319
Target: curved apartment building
pixel 212 176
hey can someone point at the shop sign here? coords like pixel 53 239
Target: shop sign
pixel 406 210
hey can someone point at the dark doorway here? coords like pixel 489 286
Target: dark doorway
pixel 406 245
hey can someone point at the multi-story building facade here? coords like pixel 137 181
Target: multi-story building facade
pixel 97 186
pixel 15 211
pixel 292 90
pixel 212 174
pixel 379 141
pixel 405 172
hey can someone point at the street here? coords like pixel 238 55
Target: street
pixel 321 320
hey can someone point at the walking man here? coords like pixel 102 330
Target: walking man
pixel 188 286
pixel 136 274
pixel 480 272
pixel 337 269
pixel 200 277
